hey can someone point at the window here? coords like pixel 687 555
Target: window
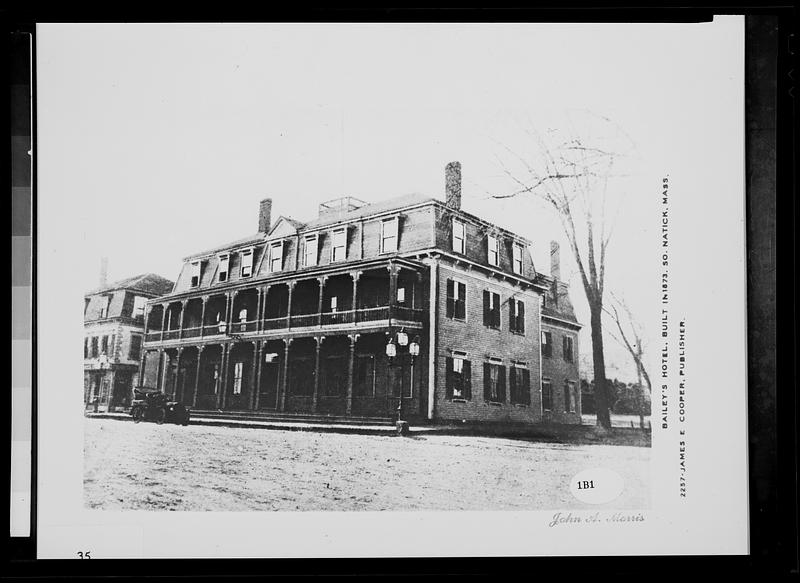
pixel 112 346
pixel 135 350
pixel 491 309
pixel 238 368
pixel 401 295
pixel 547 344
pixel 516 316
pixel 104 307
pixel 568 348
pixel 195 274
pixel 458 384
pixel 138 307
pixel 311 249
pixel 224 263
pixel 494 381
pixel 85 305
pixel 456 300
pixel 86 347
pixel 104 345
pixel 339 245
pixel 493 254
pixel 389 235
pixel 520 384
pixel 95 352
pixel 569 397
pixel 334 303
pixel 459 236
pixel 517 259
pixel 276 256
pixel 246 270
pixel 547 395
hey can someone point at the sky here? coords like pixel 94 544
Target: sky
pixel 160 140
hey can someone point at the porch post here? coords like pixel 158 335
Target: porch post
pixel 262 308
pixel 315 394
pixel 258 309
pixel 203 316
pixel 322 281
pixel 159 380
pixel 229 315
pixel 256 363
pixel 177 374
pixel 392 287
pixel 355 275
pixel 142 365
pixel 290 285
pixel 165 308
pixel 351 364
pixel 197 373
pixel 287 344
pixel 180 321
pixel 146 314
pixel 223 380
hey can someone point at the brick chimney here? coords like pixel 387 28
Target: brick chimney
pixel 452 185
pixel 103 271
pixel 264 215
pixel 555 261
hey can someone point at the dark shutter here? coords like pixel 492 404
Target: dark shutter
pixel 487 382
pixel 501 383
pixel 450 299
pixel 511 319
pixel 566 398
pixel 466 380
pixel 496 312
pixel 487 320
pixel 461 305
pixel 526 386
pixel 521 316
pixel 448 385
pixel 565 347
pixel 513 389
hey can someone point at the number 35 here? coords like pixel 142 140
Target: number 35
pixel 84 555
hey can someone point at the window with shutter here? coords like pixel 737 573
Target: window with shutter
pixel 492 250
pixel 487 309
pixel 547 395
pixel 547 344
pixel 339 245
pixel 311 250
pixel 461 302
pixel 459 236
pixel 451 300
pixel 568 348
pixel 516 264
pixel 246 269
pixel 466 379
pixel 222 270
pixel 276 256
pixel 195 273
pixel 389 235
pixel 513 386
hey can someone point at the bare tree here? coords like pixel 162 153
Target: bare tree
pixel 570 171
pixel 629 335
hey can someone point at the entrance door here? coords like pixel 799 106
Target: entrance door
pixel 270 381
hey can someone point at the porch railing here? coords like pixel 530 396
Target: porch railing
pixel 297 321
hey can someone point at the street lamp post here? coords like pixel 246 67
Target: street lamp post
pixel 400 340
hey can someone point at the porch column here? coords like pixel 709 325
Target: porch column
pixel 159 380
pixel 165 308
pixel 258 309
pixel 256 363
pixel 321 281
pixel 287 343
pixel 177 374
pixel 262 310
pixel 355 275
pixel 197 373
pixel 223 376
pixel 229 314
pixel 146 315
pixel 315 394
pixel 350 366
pixel 180 320
pixel 257 366
pixel 289 304
pixel 392 287
pixel 203 317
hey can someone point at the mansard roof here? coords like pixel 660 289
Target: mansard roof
pixel 147 283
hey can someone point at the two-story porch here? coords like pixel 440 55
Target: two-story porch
pixel 311 341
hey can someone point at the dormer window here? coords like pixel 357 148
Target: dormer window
pixel 224 262
pixel 459 236
pixel 138 307
pixel 195 274
pixel 104 308
pixel 517 259
pixel 276 256
pixel 339 246
pixel 493 254
pixel 246 269
pixel 389 235
pixel 311 251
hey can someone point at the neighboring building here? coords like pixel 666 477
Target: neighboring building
pixel 561 388
pixel 113 324
pixel 297 317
